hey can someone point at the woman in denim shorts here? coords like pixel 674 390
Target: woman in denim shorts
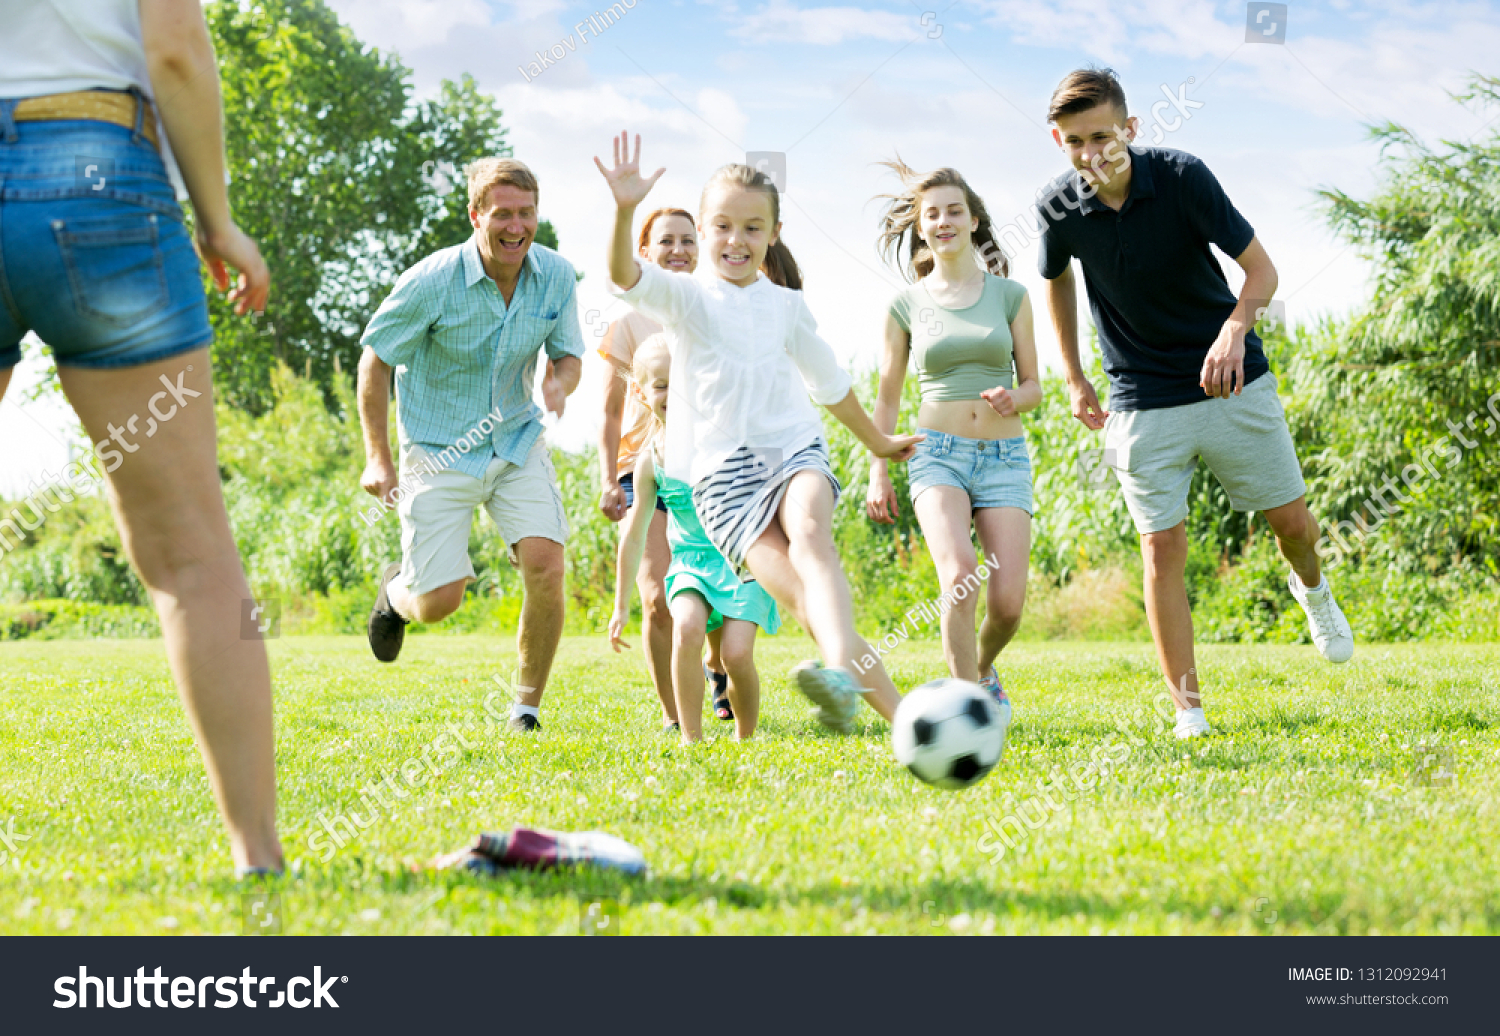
pixel 967 328
pixel 96 261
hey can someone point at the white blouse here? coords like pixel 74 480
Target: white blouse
pixel 736 357
pixel 62 46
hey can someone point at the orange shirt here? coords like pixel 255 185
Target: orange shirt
pixel 621 340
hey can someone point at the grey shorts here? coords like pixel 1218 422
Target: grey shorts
pixel 1244 441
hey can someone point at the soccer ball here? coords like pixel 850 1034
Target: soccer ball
pixel 950 733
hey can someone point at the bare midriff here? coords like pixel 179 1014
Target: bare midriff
pixel 969 419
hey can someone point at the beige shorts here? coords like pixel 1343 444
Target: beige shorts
pixel 437 515
pixel 1243 440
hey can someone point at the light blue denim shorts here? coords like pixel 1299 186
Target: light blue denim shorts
pixel 94 256
pixel 994 472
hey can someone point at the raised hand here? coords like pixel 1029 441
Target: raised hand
pixel 625 180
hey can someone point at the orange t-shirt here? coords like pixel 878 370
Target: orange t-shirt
pixel 621 339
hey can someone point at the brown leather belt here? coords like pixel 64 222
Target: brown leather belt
pixel 95 105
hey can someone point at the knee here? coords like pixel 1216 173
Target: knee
pixel 542 570
pixel 1004 610
pixel 1299 527
pixel 654 602
pixel 689 632
pixel 738 657
pixel 1164 552
pixel 804 532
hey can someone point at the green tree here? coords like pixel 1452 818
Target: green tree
pixel 342 177
pixel 1377 394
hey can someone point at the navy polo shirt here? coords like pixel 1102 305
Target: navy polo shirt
pixel 1158 294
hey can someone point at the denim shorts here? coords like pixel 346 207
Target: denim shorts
pixel 994 472
pixel 94 256
pixel 627 483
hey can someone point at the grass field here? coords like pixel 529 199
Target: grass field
pixel 1324 805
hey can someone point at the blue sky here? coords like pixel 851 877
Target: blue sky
pixel 838 87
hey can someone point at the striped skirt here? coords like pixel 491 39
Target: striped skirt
pixel 738 502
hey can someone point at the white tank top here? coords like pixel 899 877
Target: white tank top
pixel 59 46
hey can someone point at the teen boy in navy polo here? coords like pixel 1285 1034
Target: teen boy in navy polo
pixel 1188 377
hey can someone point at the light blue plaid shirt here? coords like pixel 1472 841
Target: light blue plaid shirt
pixel 461 354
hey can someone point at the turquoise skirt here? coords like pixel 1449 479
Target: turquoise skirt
pixel 708 574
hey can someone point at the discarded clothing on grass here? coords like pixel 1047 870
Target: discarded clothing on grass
pixel 542 850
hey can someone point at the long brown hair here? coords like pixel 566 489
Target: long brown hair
pixel 645 238
pixel 903 214
pixel 778 266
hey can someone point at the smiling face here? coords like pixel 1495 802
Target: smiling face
pixel 1095 142
pixel 507 226
pixel 945 222
pixel 653 367
pixel 673 244
pixel 735 228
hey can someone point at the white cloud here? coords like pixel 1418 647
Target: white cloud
pixel 783 22
pixel 409 24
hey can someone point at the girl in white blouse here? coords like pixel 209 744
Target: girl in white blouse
pixel 741 429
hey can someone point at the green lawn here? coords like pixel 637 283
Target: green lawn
pixel 1309 812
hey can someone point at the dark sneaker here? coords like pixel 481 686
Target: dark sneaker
pixel 387 629
pixel 524 723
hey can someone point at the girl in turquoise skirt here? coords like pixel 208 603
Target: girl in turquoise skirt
pixel 702 590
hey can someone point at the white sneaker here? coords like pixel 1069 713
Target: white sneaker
pixel 1190 723
pixel 1330 630
pixel 833 690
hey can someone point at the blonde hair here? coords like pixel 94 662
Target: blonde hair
pixel 488 173
pixel 651 347
pixel 903 216
pixel 778 265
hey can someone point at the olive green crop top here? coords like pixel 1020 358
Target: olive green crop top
pixel 961 352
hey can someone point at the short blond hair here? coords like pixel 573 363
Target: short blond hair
pixel 488 173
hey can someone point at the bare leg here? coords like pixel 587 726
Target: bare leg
pixel 541 614
pixel 744 681
pixel 796 561
pixel 943 513
pixel 1165 557
pixel 433 606
pixel 1005 535
pixel 5 380
pixel 716 650
pixel 689 625
pixel 656 618
pixel 167 500
pixel 1297 535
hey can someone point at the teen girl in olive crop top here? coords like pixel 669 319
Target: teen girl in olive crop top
pixel 968 332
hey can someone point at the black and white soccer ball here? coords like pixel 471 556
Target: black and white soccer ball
pixel 950 733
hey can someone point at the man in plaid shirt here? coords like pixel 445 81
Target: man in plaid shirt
pixel 462 330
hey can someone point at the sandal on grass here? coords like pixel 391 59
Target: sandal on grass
pixel 721 695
